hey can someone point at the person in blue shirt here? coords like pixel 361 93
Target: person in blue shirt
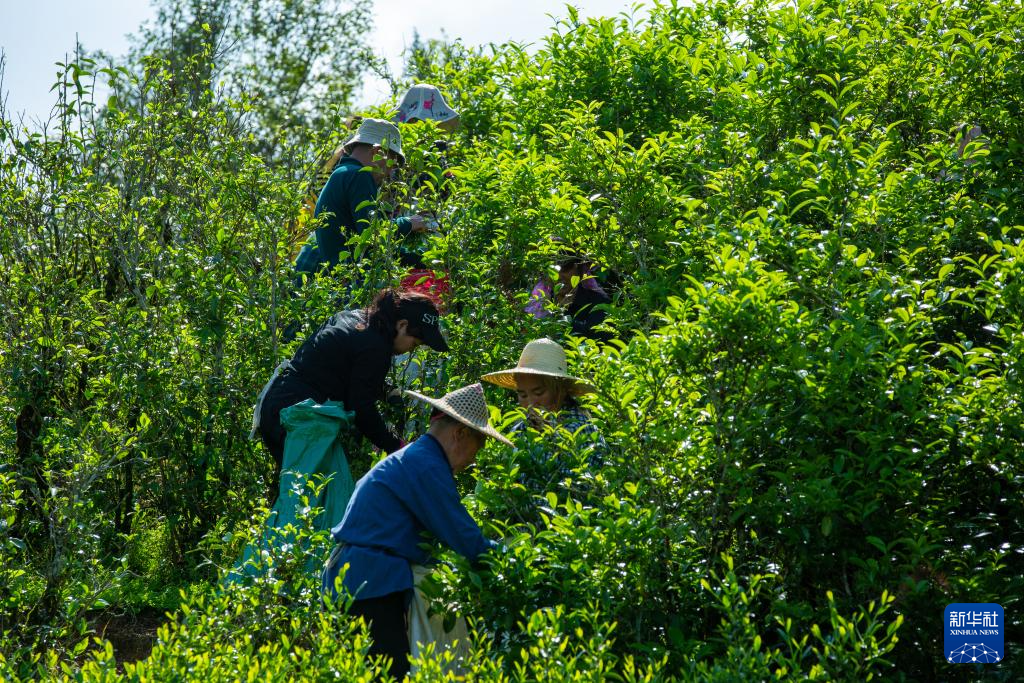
pixel 410 493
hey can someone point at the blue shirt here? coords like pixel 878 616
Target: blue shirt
pixel 409 492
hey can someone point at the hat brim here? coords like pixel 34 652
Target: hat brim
pixel 486 430
pixel 416 112
pixel 433 338
pixel 507 380
pixel 355 139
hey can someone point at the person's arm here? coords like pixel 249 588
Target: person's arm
pixel 591 443
pixel 587 318
pixel 365 382
pixel 362 197
pixel 539 297
pixel 435 502
pixel 329 236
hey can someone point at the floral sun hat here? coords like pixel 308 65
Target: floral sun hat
pixel 424 101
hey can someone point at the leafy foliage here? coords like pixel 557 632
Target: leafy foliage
pixel 814 414
pixel 289 68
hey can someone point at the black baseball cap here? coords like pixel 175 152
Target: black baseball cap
pixel 423 314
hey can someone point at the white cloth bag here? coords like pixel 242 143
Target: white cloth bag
pixel 425 629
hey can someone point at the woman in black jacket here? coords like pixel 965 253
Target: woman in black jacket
pixel 347 360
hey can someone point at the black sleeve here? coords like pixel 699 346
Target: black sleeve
pixel 587 319
pixel 587 316
pixel 366 384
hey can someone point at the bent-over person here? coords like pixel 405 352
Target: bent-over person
pixel 410 492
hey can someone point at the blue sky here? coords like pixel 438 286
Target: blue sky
pixel 34 37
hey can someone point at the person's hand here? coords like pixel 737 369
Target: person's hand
pixel 535 416
pixel 418 224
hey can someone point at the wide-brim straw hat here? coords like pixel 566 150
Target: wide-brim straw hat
pixel 542 357
pixel 378 132
pixel 467 405
pixel 424 101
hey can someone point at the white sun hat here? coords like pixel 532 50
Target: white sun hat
pixel 378 132
pixel 424 101
pixel 542 357
pixel 466 405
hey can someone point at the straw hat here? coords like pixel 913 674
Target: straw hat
pixel 378 132
pixel 424 101
pixel 466 405
pixel 540 357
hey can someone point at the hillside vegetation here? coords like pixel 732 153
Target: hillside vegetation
pixel 815 410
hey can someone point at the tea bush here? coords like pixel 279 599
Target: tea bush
pixel 813 410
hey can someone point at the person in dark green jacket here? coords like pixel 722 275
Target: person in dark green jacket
pixel 347 201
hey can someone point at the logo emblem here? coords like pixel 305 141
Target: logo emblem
pixel 973 633
pixel 430 319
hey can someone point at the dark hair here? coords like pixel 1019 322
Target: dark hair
pixel 386 310
pixel 573 261
pixel 353 146
pixel 439 417
pixel 569 255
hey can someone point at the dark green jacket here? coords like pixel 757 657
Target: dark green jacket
pixel 347 201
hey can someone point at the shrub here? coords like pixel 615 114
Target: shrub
pixel 813 409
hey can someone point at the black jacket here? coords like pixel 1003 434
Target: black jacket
pixel 338 362
pixel 585 314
